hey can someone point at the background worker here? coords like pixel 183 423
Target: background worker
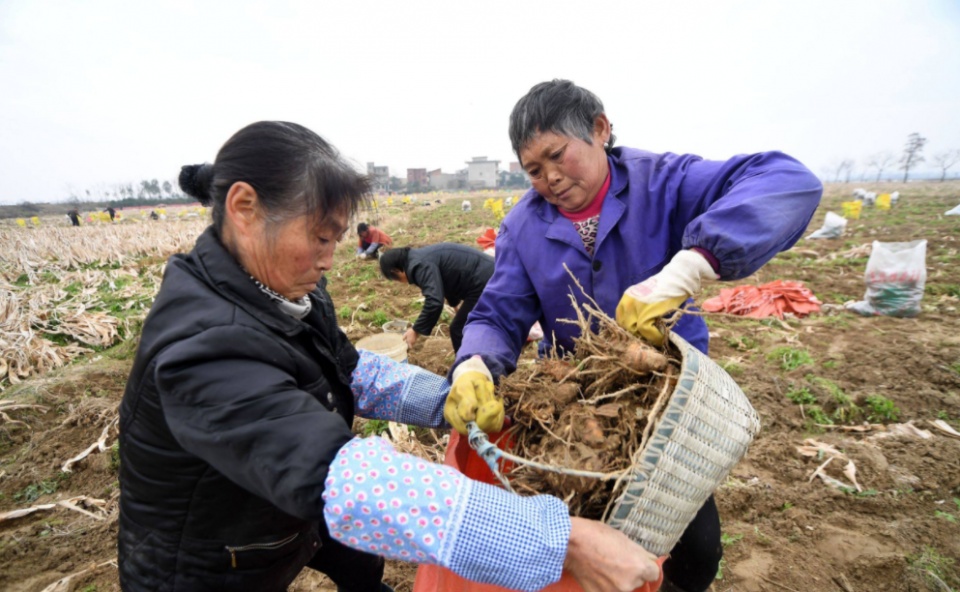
pixel 238 465
pixel 640 232
pixel 371 240
pixel 444 271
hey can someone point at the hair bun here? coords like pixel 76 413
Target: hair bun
pixel 195 180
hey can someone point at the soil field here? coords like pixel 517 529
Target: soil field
pixel 865 391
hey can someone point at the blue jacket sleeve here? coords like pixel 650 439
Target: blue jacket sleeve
pixel 744 210
pixel 498 325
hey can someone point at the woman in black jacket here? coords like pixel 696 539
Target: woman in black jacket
pixel 238 464
pixel 450 271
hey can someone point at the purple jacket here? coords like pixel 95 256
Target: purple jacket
pixel 744 211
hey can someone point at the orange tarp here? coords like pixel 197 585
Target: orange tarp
pixel 774 299
pixel 487 239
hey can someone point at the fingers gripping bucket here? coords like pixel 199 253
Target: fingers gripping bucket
pixel 391 345
pixel 701 435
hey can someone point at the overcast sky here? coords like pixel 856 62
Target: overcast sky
pixel 97 93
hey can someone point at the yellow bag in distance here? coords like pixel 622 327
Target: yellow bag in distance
pixel 883 201
pixel 851 209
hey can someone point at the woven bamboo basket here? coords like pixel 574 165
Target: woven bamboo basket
pixel 701 435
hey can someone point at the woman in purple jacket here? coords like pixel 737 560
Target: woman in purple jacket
pixel 639 231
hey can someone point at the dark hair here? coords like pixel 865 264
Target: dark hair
pixel 294 171
pixel 558 106
pixel 362 227
pixel 393 261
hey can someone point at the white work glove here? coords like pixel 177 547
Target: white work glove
pixel 471 398
pixel 644 303
pixel 362 255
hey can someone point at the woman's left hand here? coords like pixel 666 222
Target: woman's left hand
pixel 649 300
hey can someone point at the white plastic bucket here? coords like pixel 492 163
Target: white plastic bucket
pixel 391 345
pixel 396 326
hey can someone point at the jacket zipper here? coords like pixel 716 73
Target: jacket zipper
pixel 258 547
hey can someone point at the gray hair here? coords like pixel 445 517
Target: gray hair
pixel 557 106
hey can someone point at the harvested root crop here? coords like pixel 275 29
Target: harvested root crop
pixel 587 412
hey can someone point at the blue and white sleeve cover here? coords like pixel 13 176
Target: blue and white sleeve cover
pixel 402 507
pixel 386 389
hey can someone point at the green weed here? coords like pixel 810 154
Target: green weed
pixel 802 396
pixel 732 368
pixel 374 427
pixel 931 562
pixel 881 409
pixel 942 290
pixel 380 318
pixel 837 322
pixel 727 540
pixel 344 313
pixel 32 492
pixel 790 358
pixel 830 364
pixel 946 516
pixel 115 457
pixel 816 415
pixel 955 367
pixel 742 343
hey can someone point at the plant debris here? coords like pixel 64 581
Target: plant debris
pixel 587 412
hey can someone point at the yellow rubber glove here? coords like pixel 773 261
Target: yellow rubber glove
pixel 644 303
pixel 471 398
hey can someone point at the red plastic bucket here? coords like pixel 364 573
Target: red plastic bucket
pixel 432 578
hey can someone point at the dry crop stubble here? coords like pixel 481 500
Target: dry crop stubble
pixel 59 294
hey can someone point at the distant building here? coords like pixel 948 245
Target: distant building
pixel 515 167
pixel 482 173
pixel 380 175
pixel 441 181
pixel 417 178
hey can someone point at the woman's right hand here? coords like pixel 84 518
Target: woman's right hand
pixel 471 398
pixel 603 559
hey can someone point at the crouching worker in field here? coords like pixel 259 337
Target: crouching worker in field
pixel 448 271
pixel 371 240
pixel 238 464
pixel 640 232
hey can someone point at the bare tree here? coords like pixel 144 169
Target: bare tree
pixel 880 161
pixel 945 160
pixel 845 165
pixel 911 154
pixel 849 168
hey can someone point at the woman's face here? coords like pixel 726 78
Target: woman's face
pixel 293 257
pixel 567 171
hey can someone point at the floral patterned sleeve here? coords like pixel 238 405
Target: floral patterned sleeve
pixel 386 389
pixel 402 507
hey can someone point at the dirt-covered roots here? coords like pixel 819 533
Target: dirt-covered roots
pixel 586 412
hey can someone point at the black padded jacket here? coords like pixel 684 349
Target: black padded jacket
pixel 231 416
pixel 446 271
